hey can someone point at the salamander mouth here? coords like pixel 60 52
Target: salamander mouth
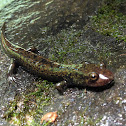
pixel 111 82
pixel 101 88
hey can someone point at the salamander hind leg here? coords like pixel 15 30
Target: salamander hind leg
pixel 34 50
pixel 61 86
pixel 12 69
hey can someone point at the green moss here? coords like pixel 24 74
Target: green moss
pixel 24 108
pixel 38 124
pixel 65 43
pixel 88 121
pixel 109 21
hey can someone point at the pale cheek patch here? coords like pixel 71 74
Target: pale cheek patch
pixel 103 77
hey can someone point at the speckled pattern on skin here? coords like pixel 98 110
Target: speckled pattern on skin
pixel 81 74
pixel 32 23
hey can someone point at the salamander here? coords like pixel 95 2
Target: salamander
pixel 84 75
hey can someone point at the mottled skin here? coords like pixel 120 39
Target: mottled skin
pixel 85 74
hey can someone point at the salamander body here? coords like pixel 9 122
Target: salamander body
pixel 91 75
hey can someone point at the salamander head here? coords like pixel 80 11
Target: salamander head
pixel 97 75
pixel 100 78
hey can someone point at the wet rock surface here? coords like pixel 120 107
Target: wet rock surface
pixel 61 31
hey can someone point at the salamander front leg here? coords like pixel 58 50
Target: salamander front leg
pixel 61 86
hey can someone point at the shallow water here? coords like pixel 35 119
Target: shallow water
pixel 3 3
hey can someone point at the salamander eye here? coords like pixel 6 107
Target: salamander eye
pixel 93 76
